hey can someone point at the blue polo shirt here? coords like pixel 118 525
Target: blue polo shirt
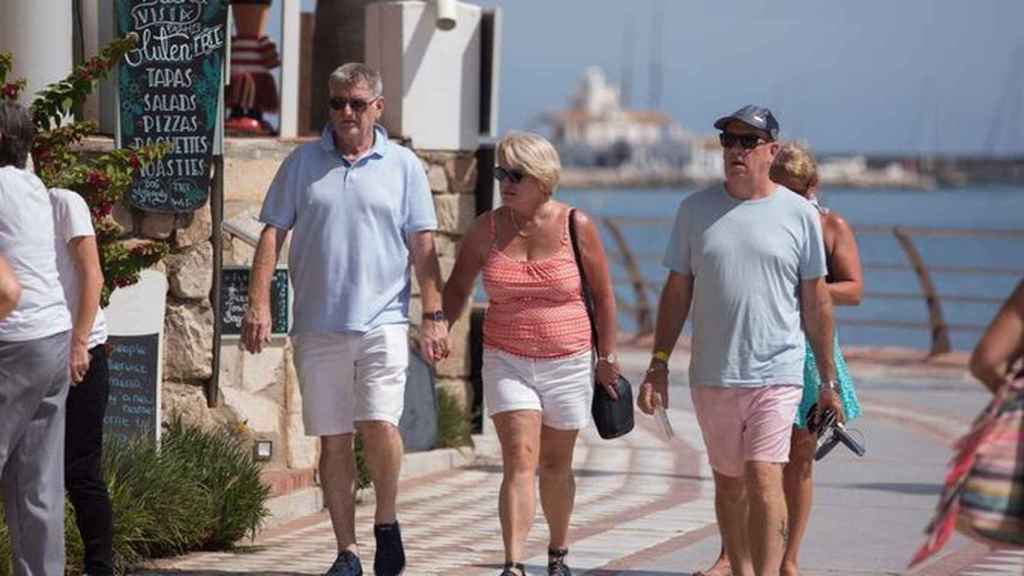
pixel 349 259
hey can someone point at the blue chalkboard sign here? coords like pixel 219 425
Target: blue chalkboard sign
pixel 234 299
pixel 133 408
pixel 169 91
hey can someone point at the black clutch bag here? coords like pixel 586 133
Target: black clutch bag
pixel 612 417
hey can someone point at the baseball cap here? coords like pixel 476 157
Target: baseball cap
pixel 756 117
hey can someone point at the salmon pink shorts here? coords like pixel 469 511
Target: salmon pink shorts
pixel 743 425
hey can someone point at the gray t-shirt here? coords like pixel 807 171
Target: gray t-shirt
pixel 747 259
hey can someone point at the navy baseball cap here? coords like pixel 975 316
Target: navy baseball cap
pixel 756 117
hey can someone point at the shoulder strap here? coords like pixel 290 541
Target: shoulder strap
pixel 588 301
pixel 494 228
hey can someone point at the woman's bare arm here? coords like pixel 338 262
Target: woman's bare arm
pixel 1001 344
pixel 10 288
pixel 847 284
pixel 472 255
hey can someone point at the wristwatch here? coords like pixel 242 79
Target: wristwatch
pixel 611 358
pixel 436 316
pixel 830 385
pixel 660 356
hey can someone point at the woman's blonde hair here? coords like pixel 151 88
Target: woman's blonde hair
pixel 532 154
pixel 795 161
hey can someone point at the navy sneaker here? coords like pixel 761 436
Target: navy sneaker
pixel 390 557
pixel 346 564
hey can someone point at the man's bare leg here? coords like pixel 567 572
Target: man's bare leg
pixel 720 567
pixel 337 475
pixel 767 520
pixel 384 459
pixel 731 508
pixel 798 484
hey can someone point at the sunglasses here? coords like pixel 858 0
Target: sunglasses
pixel 357 105
pixel 746 141
pixel 512 175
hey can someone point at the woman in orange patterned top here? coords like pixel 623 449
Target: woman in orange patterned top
pixel 538 371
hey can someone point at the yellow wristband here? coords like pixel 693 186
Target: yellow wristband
pixel 661 356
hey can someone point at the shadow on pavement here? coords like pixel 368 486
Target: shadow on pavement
pixel 592 473
pixel 539 569
pixel 214 573
pixel 901 488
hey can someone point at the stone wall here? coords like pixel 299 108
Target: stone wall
pixel 259 393
pixel 452 177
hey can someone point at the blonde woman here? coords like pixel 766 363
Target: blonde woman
pixel 537 367
pixel 795 168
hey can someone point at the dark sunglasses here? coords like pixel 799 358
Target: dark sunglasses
pixel 512 175
pixel 357 105
pixel 746 141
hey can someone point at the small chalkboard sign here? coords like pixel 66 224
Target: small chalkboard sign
pixel 169 92
pixel 234 299
pixel 133 408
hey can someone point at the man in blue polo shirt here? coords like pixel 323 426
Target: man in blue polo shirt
pixel 358 207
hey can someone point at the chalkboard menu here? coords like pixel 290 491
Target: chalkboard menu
pixel 134 406
pixel 234 298
pixel 169 90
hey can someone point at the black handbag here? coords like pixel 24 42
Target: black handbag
pixel 613 418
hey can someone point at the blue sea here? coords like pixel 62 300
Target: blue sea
pixel 645 217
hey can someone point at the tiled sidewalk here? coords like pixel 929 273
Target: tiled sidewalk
pixel 633 494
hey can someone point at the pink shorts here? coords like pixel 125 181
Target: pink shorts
pixel 745 424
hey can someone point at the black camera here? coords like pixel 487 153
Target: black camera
pixel 830 432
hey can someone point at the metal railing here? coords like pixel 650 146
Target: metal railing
pixel 645 290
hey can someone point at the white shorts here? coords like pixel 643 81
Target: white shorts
pixel 351 377
pixel 560 388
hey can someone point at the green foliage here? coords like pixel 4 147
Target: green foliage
pixel 453 423
pixel 226 470
pixel 101 180
pixel 158 510
pixel 362 470
pixel 201 491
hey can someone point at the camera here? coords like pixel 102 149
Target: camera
pixel 830 432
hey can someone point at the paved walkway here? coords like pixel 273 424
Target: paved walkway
pixel 644 504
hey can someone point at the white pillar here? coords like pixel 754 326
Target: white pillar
pixel 38 34
pixel 291 26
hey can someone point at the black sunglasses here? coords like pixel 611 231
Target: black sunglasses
pixel 746 141
pixel 512 175
pixel 357 105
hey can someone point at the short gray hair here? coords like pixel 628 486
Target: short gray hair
pixel 16 134
pixel 355 73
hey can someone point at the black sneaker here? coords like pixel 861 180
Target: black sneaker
pixel 556 562
pixel 346 564
pixel 390 557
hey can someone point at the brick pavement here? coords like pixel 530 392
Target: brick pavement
pixel 634 495
pixel 644 505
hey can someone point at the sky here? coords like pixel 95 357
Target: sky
pixel 918 76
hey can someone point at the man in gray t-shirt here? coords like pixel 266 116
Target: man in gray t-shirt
pixel 750 259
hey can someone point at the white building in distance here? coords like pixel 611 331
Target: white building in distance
pixel 597 131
